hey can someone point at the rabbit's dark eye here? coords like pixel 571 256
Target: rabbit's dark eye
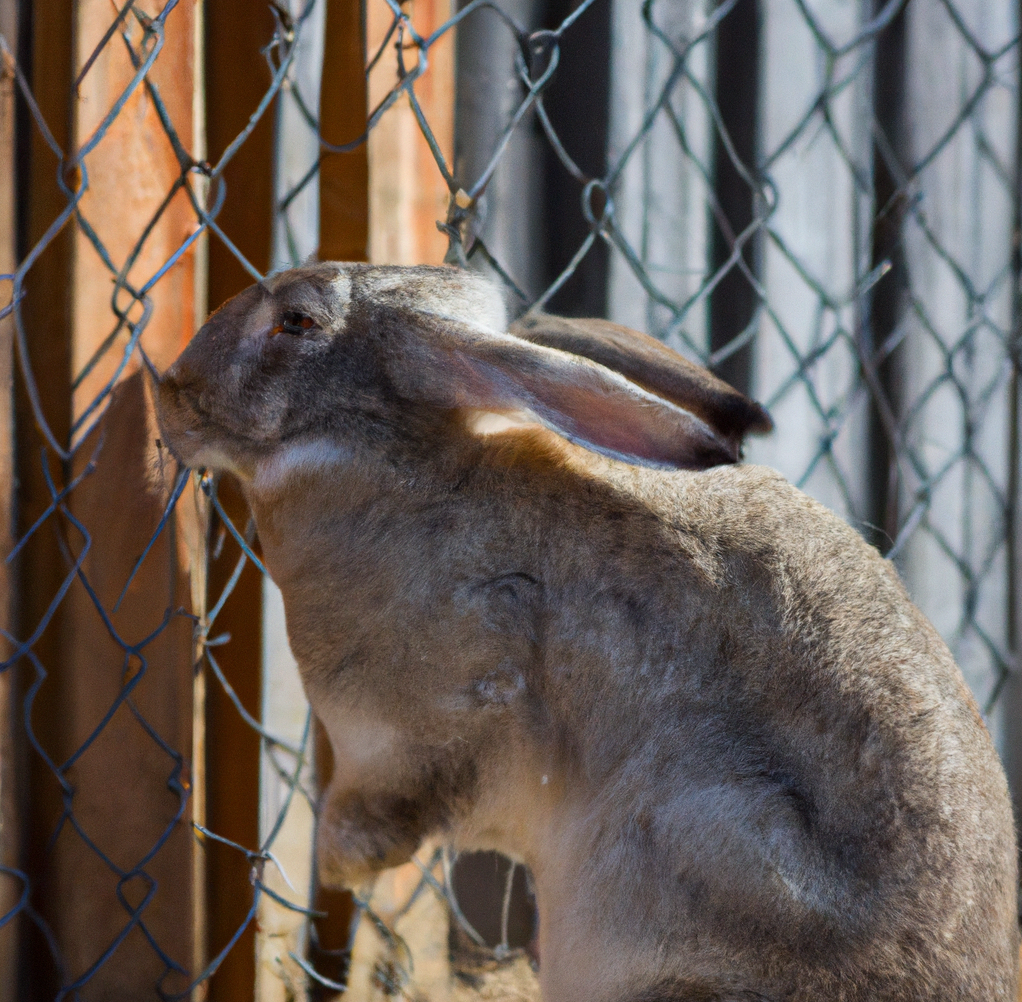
pixel 294 323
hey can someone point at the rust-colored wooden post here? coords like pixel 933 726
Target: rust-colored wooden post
pixel 236 79
pixel 45 308
pixel 343 177
pixel 10 888
pixel 123 782
pixel 407 192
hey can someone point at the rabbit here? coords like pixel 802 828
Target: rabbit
pixel 541 608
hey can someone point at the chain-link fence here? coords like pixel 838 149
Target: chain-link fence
pixel 817 198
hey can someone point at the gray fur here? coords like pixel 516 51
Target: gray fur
pixel 738 760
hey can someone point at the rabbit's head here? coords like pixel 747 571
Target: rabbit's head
pixel 369 355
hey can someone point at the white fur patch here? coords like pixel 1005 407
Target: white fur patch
pixel 465 296
pixel 308 456
pixel 494 422
pixel 342 290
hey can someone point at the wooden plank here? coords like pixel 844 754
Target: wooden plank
pixel 10 820
pixel 232 759
pixel 286 821
pixel 407 193
pixel 45 311
pixel 343 236
pixel 236 79
pixel 296 219
pixel 509 215
pixel 193 522
pixel 124 795
pixel 661 192
pixel 967 215
pixel 343 177
pixel 824 228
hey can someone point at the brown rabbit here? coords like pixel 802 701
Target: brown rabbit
pixel 540 610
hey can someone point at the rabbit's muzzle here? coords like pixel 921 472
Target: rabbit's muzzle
pixel 182 427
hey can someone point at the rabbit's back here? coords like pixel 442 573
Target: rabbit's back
pixel 803 776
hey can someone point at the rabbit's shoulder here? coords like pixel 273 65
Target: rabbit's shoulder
pixel 806 601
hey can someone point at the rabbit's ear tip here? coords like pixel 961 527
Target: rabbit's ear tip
pixel 758 419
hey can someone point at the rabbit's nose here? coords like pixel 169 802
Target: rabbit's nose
pixel 181 375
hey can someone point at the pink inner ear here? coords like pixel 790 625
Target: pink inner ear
pixel 588 404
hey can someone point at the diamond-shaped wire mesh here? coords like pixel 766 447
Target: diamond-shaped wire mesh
pixel 819 198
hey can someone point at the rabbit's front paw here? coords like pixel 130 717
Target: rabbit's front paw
pixel 358 837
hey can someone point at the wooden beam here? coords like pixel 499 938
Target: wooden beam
pixel 287 823
pixel 407 192
pixel 661 193
pixel 10 819
pixel 509 219
pixel 236 79
pixel 826 227
pixel 286 781
pixel 963 423
pixel 45 311
pixel 124 785
pixel 343 177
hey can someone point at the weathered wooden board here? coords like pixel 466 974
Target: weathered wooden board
pixel 124 784
pixel 407 193
pixel 661 187
pixel 10 822
pixel 509 214
pixel 237 77
pixel 816 254
pixel 956 236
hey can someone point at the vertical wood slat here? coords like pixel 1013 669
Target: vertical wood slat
pixel 968 212
pixel 407 193
pixel 10 832
pixel 123 784
pixel 343 177
pixel 509 215
pixel 661 195
pixel 343 229
pixel 825 226
pixel 80 649
pixel 407 196
pixel 193 521
pixel 287 816
pixel 1011 698
pixel 236 79
pixel 45 307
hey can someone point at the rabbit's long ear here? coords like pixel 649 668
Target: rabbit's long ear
pixel 582 400
pixel 653 366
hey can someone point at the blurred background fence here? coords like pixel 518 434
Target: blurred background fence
pixel 820 199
